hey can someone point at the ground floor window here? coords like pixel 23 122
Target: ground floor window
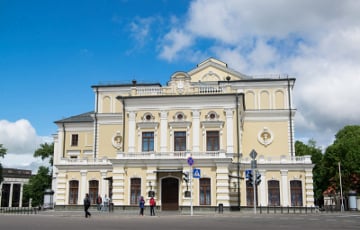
pixel 273 193
pixel 296 193
pixel 73 191
pixel 93 190
pixel 250 194
pixel 205 191
pixel 135 190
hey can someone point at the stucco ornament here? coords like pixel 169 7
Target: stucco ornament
pixel 117 140
pixel 265 136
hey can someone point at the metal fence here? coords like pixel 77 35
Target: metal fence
pixel 19 210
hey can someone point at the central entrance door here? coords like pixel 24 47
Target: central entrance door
pixel 170 194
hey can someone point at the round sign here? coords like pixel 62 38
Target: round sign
pixel 190 161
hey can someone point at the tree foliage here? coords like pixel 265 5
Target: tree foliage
pixel 346 150
pixel 46 151
pixel 315 152
pixel 37 185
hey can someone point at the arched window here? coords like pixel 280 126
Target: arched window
pixel 205 191
pixel 93 190
pixel 296 193
pixel 135 190
pixel 273 193
pixel 73 191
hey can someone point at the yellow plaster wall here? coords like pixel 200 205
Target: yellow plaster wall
pixel 277 148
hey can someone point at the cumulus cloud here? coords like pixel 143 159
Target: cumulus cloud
pixel 21 141
pixel 317 42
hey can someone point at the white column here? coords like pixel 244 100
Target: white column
pixel 262 189
pixel 11 194
pixel 229 131
pixel 132 131
pixel 163 131
pixel 21 194
pixel 104 184
pixel 83 188
pixel 196 130
pixel 284 187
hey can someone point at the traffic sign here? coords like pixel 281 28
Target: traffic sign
pixel 253 154
pixel 247 173
pixel 196 173
pixel 190 161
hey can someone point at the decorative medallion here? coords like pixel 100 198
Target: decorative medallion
pixel 117 140
pixel 265 136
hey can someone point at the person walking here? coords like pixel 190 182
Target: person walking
pixel 152 206
pixel 87 204
pixel 142 205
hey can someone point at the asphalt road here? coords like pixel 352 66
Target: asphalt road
pixel 248 221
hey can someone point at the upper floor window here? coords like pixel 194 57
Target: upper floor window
pixel 180 141
pixel 147 141
pixel 74 140
pixel 212 141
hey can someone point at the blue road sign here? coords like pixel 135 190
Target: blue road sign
pixel 247 172
pixel 196 173
pixel 190 161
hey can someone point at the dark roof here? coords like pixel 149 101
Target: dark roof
pixel 84 117
pixel 16 173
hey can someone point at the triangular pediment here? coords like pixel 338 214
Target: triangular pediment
pixel 213 70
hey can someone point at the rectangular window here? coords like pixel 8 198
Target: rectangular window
pixel 180 141
pixel 74 140
pixel 296 193
pixel 205 191
pixel 250 194
pixel 135 190
pixel 148 141
pixel 93 190
pixel 73 191
pixel 273 193
pixel 212 141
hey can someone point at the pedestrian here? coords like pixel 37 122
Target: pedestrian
pixel 152 206
pixel 99 202
pixel 87 204
pixel 106 204
pixel 142 205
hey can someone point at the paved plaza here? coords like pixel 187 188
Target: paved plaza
pixel 56 220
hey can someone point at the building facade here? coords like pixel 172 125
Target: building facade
pixel 139 138
pixel 12 187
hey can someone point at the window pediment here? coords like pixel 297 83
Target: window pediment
pixel 212 124
pixel 147 125
pixel 180 124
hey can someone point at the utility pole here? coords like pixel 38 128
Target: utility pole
pixel 341 192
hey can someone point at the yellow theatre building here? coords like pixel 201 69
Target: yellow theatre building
pixel 141 137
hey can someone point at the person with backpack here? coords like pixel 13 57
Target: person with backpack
pixel 87 204
pixel 152 206
pixel 142 205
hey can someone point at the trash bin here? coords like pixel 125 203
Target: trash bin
pixel 221 208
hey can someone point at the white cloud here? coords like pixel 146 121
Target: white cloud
pixel 315 41
pixel 21 141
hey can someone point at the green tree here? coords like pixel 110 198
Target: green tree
pixel 315 152
pixel 36 187
pixel 2 154
pixel 346 150
pixel 46 151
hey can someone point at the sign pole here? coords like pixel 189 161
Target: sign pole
pixel 254 188
pixel 191 203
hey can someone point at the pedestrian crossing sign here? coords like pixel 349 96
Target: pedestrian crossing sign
pixel 196 173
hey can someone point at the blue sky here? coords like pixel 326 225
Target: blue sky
pixel 52 52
